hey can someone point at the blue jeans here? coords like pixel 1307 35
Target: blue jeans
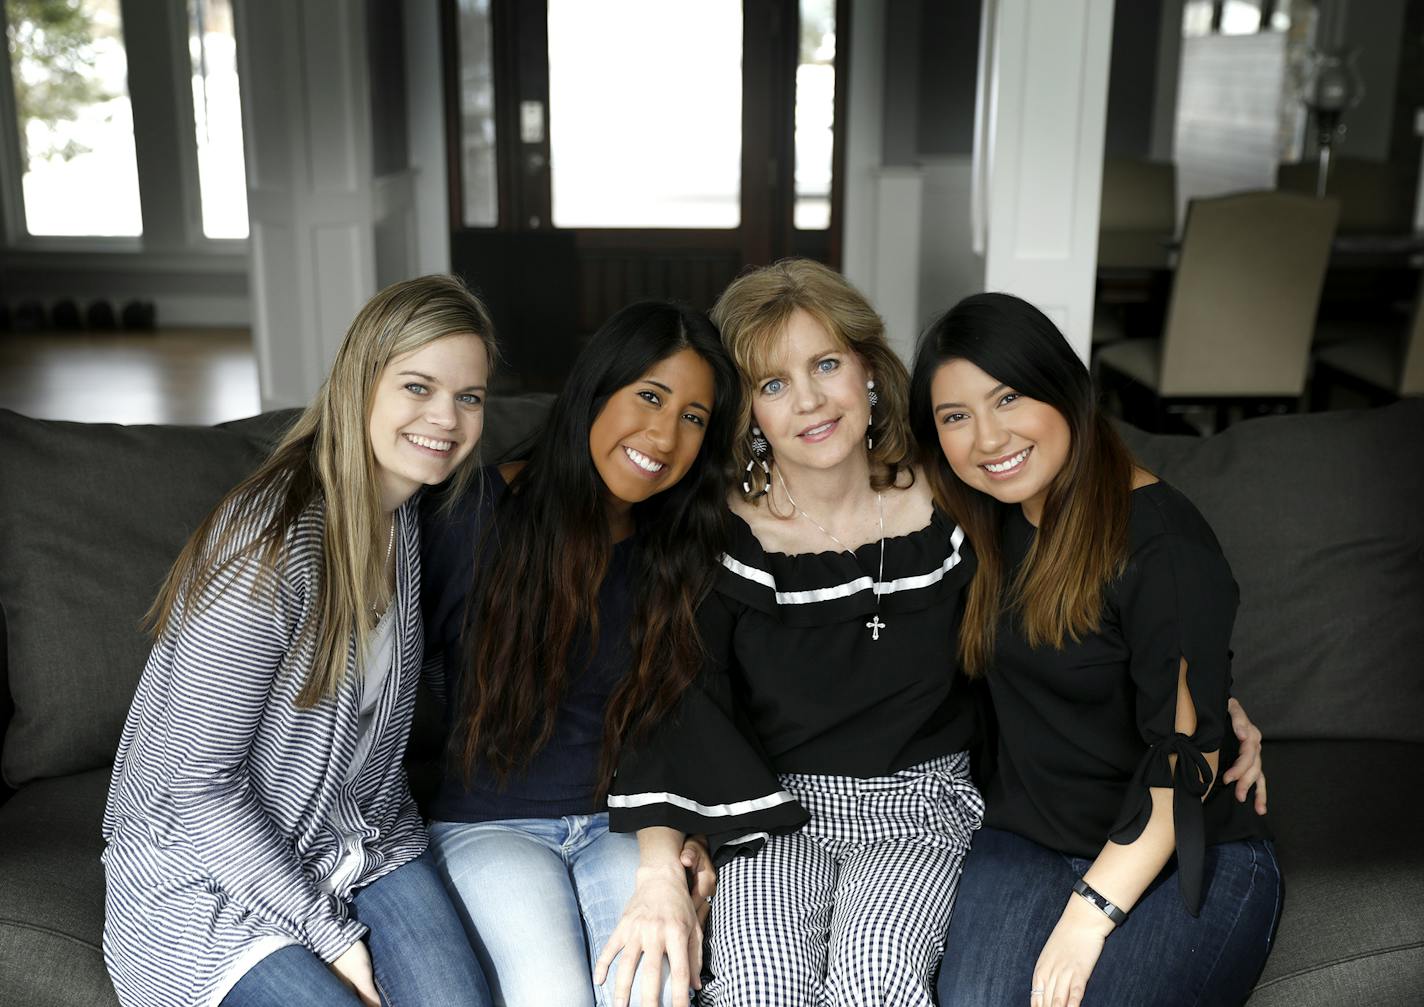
pixel 418 953
pixel 1014 890
pixel 539 898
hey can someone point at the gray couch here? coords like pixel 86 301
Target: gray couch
pixel 1322 517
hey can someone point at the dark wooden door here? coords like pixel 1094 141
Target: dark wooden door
pixel 539 130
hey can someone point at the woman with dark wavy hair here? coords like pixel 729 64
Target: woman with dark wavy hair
pixel 1100 618
pixel 565 596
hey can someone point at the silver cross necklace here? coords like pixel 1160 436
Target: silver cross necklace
pixel 874 625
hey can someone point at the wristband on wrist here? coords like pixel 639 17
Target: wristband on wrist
pixel 1100 902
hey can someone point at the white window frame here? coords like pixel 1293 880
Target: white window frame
pixel 165 144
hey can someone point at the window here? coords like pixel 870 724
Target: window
pixel 71 167
pixel 217 118
pixel 815 114
pixel 645 113
pixel 477 133
pixel 69 71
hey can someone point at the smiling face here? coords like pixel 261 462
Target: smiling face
pixel 997 440
pixel 427 414
pixel 813 405
pixel 648 433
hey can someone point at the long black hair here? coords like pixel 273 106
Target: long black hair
pixel 1081 543
pixel 549 547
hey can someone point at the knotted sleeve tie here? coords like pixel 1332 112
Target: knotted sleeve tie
pixel 1189 780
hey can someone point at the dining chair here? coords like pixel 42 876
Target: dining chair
pixel 1137 213
pixel 1384 362
pixel 1241 312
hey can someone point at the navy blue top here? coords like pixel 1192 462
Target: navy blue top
pixel 561 778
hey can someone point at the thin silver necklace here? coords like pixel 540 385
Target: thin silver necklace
pixel 874 625
pixel 390 550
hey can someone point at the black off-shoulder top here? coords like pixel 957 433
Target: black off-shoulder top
pixel 807 673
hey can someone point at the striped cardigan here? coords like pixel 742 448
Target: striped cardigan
pixel 219 823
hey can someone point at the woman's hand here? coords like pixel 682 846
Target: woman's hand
pixel 353 968
pixel 1247 770
pixel 1069 956
pixel 701 875
pixel 658 920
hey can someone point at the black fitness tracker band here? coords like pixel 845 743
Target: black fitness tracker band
pixel 1094 898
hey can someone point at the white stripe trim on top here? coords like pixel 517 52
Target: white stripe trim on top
pixel 751 573
pixel 707 810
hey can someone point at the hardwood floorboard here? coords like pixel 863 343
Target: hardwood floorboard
pixel 197 376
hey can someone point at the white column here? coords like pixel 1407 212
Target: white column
pixel 865 111
pixel 312 197
pixel 1040 154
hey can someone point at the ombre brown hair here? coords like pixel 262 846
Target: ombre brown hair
pixel 326 458
pixel 1081 545
pixel 752 314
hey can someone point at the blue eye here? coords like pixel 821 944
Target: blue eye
pixel 773 386
pixel 416 388
pixel 828 365
pixel 470 399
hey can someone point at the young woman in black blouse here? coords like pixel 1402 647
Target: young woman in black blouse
pixel 1112 864
pixel 562 597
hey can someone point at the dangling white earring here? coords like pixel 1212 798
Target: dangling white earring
pixel 760 449
pixel 870 422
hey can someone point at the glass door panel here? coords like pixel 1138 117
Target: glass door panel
pixel 645 113
pixel 815 114
pixel 478 170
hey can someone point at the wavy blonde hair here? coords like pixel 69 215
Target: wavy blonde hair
pixel 752 314
pixel 326 457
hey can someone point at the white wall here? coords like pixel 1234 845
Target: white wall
pixel 326 231
pixel 1040 155
pixel 949 269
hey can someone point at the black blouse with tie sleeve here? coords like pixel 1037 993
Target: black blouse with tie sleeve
pixel 1084 731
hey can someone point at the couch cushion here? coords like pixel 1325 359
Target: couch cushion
pixel 91 517
pixel 52 895
pixel 1350 838
pixel 1322 520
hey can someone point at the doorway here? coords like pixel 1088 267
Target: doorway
pixel 603 151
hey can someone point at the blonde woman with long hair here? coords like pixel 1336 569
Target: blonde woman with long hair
pixel 824 741
pixel 263 847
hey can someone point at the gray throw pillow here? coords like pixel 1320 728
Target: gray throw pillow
pixel 1322 519
pixel 91 518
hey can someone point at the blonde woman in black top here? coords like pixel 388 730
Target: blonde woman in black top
pixel 1113 867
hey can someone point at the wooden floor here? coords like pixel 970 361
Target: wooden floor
pixel 199 376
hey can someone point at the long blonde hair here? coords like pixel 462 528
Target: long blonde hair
pixel 326 458
pixel 752 314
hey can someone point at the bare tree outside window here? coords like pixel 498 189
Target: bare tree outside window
pixel 75 122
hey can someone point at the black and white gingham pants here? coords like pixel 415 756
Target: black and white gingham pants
pixel 852 909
